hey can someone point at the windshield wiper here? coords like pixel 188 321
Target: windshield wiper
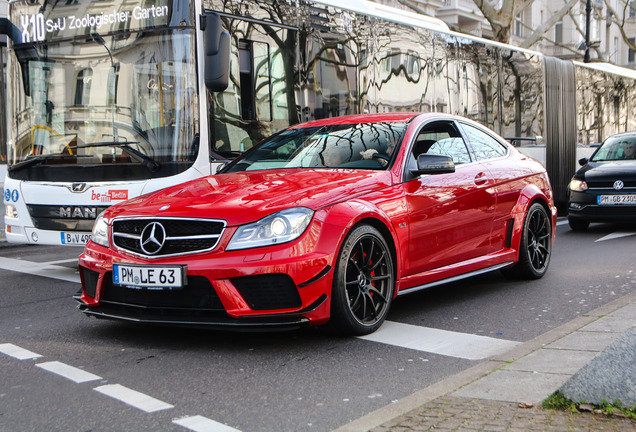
pixel 146 160
pixel 33 160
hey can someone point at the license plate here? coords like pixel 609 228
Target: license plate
pixel 616 199
pixel 149 277
pixel 75 238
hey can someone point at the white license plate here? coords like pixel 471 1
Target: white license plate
pixel 616 199
pixel 75 238
pixel 149 277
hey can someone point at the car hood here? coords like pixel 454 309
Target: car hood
pixel 611 170
pixel 244 197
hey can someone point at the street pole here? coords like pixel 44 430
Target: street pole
pixel 588 12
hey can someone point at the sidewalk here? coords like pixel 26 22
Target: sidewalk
pixel 591 358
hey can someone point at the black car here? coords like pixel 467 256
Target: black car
pixel 604 189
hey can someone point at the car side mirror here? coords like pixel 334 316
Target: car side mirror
pixel 434 164
pixel 583 161
pixel 216 51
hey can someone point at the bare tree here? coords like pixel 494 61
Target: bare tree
pixel 620 19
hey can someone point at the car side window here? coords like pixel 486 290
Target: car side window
pixel 440 138
pixel 484 146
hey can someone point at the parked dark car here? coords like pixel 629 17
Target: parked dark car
pixel 604 188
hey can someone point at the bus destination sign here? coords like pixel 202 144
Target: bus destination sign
pixel 59 22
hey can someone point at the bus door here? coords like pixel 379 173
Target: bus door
pixel 260 98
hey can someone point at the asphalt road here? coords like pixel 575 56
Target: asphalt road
pixel 104 376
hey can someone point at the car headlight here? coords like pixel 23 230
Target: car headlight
pixel 100 231
pixel 578 185
pixel 281 227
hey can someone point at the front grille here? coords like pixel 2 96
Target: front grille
pixel 265 292
pixel 161 237
pixel 64 217
pixel 197 295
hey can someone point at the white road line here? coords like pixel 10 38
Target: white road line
pixel 617 234
pixel 64 261
pixel 562 222
pixel 133 398
pixel 68 372
pixel 17 352
pixel 40 269
pixel 452 344
pixel 203 424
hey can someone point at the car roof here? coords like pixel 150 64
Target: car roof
pixel 622 135
pixel 361 118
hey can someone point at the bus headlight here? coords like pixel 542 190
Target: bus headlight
pixel 100 231
pixel 10 211
pixel 578 185
pixel 281 227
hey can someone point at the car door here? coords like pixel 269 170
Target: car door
pixel 505 175
pixel 450 215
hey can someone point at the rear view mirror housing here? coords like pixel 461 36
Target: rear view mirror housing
pixel 434 164
pixel 216 52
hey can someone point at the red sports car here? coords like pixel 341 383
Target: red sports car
pixel 324 223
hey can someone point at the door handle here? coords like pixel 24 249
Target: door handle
pixel 481 179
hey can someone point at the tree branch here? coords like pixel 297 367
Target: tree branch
pixel 540 31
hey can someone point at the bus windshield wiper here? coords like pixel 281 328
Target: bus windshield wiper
pixel 146 160
pixel 33 160
pixel 27 163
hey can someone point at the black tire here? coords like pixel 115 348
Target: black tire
pixel 578 224
pixel 535 248
pixel 363 284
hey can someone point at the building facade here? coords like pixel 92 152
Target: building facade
pixel 565 39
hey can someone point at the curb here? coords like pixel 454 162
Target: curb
pixel 462 379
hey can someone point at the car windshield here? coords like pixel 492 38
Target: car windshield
pixel 616 148
pixel 349 146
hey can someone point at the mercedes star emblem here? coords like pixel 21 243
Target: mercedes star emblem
pixel 152 238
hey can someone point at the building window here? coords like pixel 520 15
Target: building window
pixel 517 26
pixel 558 32
pixel 631 60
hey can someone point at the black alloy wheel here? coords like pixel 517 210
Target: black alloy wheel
pixel 535 249
pixel 363 283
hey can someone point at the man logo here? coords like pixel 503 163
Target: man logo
pixel 152 238
pixel 78 212
pixel 78 187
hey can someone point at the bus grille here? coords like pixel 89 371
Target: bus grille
pixel 162 237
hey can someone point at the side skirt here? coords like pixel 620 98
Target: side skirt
pixel 456 278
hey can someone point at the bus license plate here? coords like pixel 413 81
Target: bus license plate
pixel 617 199
pixel 75 238
pixel 149 277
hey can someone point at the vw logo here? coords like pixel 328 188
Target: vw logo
pixel 618 185
pixel 152 238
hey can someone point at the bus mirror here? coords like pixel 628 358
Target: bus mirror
pixel 23 52
pixel 217 52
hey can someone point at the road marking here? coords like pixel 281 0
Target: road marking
pixel 562 222
pixel 17 352
pixel 133 398
pixel 203 424
pixel 68 372
pixel 64 261
pixel 448 343
pixel 40 269
pixel 615 235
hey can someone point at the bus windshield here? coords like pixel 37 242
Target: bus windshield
pixel 104 104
